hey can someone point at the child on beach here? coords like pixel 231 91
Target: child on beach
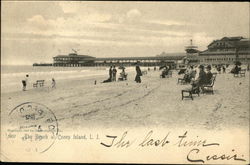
pixel 25 82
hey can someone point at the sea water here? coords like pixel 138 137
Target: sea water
pixel 12 76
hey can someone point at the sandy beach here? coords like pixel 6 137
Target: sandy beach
pixel 78 103
pixel 94 111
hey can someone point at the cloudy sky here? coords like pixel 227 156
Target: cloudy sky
pixel 37 31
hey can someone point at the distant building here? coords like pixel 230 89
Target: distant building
pixel 226 51
pixel 144 61
pixel 73 60
pixel 192 54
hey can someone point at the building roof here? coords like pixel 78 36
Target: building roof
pixel 206 52
pixel 142 58
pixel 69 56
pixel 236 42
pixel 238 38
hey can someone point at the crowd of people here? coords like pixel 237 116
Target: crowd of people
pixel 123 74
pixel 204 78
pixel 112 74
pixel 198 81
pixel 190 75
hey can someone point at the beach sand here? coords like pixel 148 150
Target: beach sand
pixel 78 103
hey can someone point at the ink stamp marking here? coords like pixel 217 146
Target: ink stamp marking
pixel 34 125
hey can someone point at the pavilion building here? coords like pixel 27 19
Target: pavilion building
pixel 75 60
pixel 226 51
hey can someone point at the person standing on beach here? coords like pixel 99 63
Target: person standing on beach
pixel 114 73
pixel 25 82
pixel 224 69
pixel 111 73
pixel 53 84
pixel 138 74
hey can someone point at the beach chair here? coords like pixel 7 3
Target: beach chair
pixel 239 73
pixel 190 92
pixel 236 74
pixel 209 88
pixel 242 73
pixel 39 83
pixel 182 80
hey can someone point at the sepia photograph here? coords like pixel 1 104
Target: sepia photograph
pixel 125 82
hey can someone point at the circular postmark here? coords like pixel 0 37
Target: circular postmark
pixel 34 125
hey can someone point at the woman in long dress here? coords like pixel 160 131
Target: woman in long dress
pixel 138 74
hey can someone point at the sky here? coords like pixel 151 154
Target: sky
pixel 37 31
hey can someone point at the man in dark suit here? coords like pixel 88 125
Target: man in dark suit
pixel 209 75
pixel 111 73
pixel 114 73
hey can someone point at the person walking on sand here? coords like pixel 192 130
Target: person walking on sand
pixel 53 84
pixel 114 71
pixel 25 82
pixel 138 74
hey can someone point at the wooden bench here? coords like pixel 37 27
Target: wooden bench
pixel 241 73
pixel 39 83
pixel 182 80
pixel 209 87
pixel 190 92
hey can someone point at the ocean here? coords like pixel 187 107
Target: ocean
pixel 12 76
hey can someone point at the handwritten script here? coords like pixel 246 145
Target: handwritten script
pixel 183 141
